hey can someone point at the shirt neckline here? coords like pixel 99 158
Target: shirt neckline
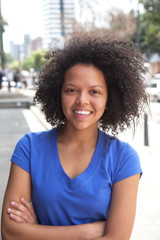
pixel 84 176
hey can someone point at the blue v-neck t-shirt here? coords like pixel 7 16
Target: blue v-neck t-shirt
pixel 59 200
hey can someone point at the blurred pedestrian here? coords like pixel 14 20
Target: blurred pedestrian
pixel 1 78
pixel 10 79
pixel 34 80
pixel 81 181
pixel 25 83
pixel 16 78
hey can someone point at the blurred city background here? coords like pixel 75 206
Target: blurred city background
pixel 30 28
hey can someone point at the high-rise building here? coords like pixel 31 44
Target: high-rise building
pixel 27 45
pixel 36 44
pixel 15 50
pixel 58 18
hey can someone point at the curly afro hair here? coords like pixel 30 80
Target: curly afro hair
pixel 122 65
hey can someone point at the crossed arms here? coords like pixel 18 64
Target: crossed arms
pixel 20 221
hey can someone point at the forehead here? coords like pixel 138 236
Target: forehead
pixel 84 73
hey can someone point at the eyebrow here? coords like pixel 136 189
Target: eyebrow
pixel 94 86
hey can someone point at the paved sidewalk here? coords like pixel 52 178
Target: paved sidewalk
pixel 147 223
pixel 14 123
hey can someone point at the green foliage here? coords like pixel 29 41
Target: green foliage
pixel 36 61
pixel 14 65
pixel 28 63
pixel 152 8
pixel 7 59
pixel 149 27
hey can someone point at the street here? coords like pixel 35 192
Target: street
pixel 14 123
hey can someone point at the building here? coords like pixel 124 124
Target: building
pixel 22 51
pixel 36 44
pixel 154 61
pixel 15 50
pixel 27 45
pixel 58 18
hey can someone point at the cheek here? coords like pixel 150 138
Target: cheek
pixel 67 102
pixel 100 103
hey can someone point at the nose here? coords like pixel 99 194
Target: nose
pixel 82 98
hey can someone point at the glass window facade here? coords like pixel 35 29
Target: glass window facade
pixel 58 18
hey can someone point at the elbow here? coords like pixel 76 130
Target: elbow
pixel 5 233
pixel 5 237
pixel 8 232
pixel 8 235
pixel 6 227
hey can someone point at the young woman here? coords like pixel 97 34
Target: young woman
pixel 75 181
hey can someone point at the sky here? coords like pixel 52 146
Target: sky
pixel 26 17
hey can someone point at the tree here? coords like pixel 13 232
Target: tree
pixel 118 24
pixel 121 25
pixel 152 10
pixel 14 65
pixel 7 59
pixel 88 7
pixel 149 37
pixel 149 27
pixel 36 61
pixel 28 63
pixel 2 24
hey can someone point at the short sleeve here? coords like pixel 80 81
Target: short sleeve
pixel 128 164
pixel 21 155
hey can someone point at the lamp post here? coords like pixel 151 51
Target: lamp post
pixel 1 38
pixel 137 33
pixel 146 137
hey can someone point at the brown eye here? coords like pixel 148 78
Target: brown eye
pixel 70 90
pixel 95 92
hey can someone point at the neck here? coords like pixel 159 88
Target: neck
pixel 79 137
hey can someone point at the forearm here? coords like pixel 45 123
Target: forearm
pixel 40 232
pixel 111 238
pixel 15 225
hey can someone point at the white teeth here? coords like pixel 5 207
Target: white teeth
pixel 82 112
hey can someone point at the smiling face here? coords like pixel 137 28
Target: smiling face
pixel 84 96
